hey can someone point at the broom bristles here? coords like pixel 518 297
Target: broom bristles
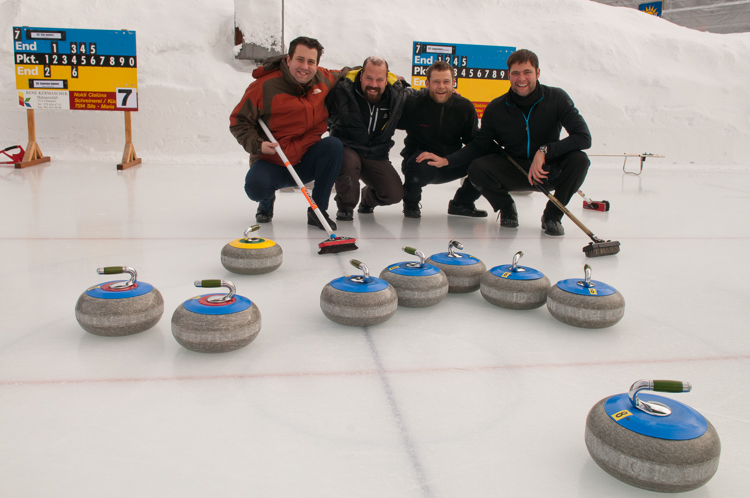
pixel 595 249
pixel 337 244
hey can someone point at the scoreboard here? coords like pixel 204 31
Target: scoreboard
pixel 480 71
pixel 77 69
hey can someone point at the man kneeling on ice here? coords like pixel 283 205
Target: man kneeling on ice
pixel 289 94
pixel 526 122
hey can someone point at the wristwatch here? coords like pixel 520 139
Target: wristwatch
pixel 543 149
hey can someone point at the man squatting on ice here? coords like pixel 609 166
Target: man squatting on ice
pixel 439 122
pixel 365 108
pixel 526 121
pixel 289 93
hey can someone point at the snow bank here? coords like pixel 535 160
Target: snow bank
pixel 642 83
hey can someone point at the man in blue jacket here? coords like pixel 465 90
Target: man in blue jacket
pixel 526 122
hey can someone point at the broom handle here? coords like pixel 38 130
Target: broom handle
pixel 297 179
pixel 552 198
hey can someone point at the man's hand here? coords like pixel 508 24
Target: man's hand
pixel 432 159
pixel 536 173
pixel 269 148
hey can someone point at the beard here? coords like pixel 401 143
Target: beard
pixel 373 98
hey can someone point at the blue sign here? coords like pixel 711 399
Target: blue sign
pixel 653 8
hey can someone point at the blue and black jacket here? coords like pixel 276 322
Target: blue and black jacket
pixel 522 133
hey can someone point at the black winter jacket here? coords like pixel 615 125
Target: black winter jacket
pixel 522 134
pixel 438 128
pixel 346 120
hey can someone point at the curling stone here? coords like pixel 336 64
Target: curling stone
pixel 120 307
pixel 251 255
pixel 216 323
pixel 585 303
pixel 653 442
pixel 358 300
pixel 418 285
pixel 515 287
pixel 463 270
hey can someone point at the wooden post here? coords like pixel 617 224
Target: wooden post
pixel 129 157
pixel 33 154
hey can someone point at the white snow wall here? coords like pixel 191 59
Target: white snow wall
pixel 642 83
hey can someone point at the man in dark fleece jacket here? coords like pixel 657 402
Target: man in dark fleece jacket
pixel 527 122
pixel 440 122
pixel 365 108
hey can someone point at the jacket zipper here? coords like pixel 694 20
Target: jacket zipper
pixel 528 133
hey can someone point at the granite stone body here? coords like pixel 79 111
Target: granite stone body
pixel 651 463
pixel 462 279
pixel 215 333
pixel 591 312
pixel 358 309
pixel 119 317
pixel 251 261
pixel 514 294
pixel 417 291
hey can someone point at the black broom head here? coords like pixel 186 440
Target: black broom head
pixel 594 249
pixel 337 244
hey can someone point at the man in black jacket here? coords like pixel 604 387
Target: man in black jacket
pixel 527 122
pixel 364 108
pixel 439 122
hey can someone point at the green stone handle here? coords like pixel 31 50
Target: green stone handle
pixel 670 386
pixel 409 250
pixel 112 270
pixel 208 283
pixel 355 263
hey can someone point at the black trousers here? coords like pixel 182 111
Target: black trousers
pixel 418 175
pixel 382 184
pixel 493 176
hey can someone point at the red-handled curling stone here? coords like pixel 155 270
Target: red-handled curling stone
pixel 653 442
pixel 417 284
pixel 358 300
pixel 251 255
pixel 463 270
pixel 118 308
pixel 216 323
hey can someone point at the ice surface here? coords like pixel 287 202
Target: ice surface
pixel 461 399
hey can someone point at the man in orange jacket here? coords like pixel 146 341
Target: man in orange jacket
pixel 289 93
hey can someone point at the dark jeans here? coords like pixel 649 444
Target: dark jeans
pixel 418 175
pixel 382 183
pixel 493 175
pixel 321 163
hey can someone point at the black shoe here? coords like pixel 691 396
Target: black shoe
pixel 312 219
pixel 362 209
pixel 412 210
pixel 262 216
pixel 509 217
pixel 345 214
pixel 465 210
pixel 552 227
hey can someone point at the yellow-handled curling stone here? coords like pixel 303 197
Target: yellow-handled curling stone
pixel 120 307
pixel 216 323
pixel 418 285
pixel 653 442
pixel 463 270
pixel 585 303
pixel 515 287
pixel 358 300
pixel 251 255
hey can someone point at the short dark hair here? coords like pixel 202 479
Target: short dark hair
pixel 521 56
pixel 307 42
pixel 439 66
pixel 375 60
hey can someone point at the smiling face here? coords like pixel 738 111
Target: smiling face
pixel 440 86
pixel 523 78
pixel 303 64
pixel 374 78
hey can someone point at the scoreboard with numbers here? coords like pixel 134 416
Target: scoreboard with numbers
pixel 480 71
pixel 77 69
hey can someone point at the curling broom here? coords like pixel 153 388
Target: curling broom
pixel 333 243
